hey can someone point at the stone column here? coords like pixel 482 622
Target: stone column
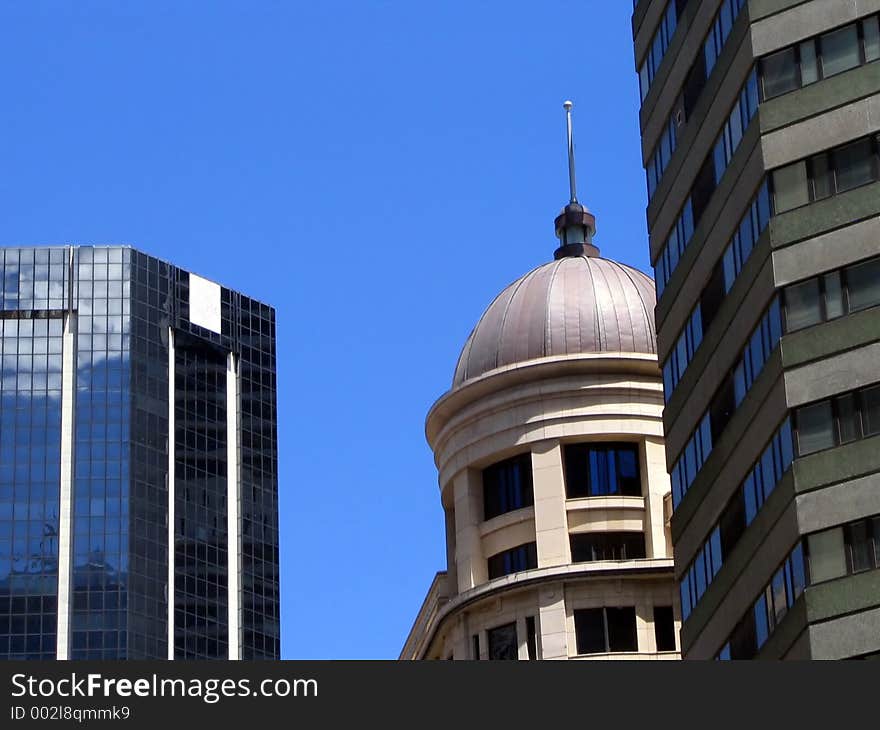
pixel 657 481
pixel 551 622
pixel 551 523
pixel 470 564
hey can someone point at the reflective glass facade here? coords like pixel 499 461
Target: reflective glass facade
pixel 258 474
pixel 126 311
pixel 30 443
pixel 201 630
pixel 101 508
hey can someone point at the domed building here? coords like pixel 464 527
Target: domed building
pixel 552 473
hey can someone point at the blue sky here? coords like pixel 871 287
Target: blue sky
pixel 377 171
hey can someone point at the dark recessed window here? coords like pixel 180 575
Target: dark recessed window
pixel 779 73
pixel 594 470
pixel 862 543
pixel 507 486
pixel 832 295
pixel 815 428
pixel 704 186
pixel 522 557
pixel 589 626
pixel 604 630
pixel 712 296
pixel 839 420
pixel 475 646
pixel 840 50
pixel 802 305
pixel 826 174
pixel 502 642
pixel 724 403
pixel 863 285
pixel 790 187
pixel 820 57
pixel 664 628
pixel 591 546
pixel 531 637
pixel 744 639
pixel 871 410
pixel 854 165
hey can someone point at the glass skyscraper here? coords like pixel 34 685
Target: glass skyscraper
pixel 138 461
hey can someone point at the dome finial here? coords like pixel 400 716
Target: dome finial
pixel 567 105
pixel 575 226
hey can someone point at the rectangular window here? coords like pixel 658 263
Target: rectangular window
pixel 589 627
pixel 704 186
pixel 602 630
pixel 822 177
pixel 522 557
pixel 840 50
pixel 622 629
pixel 790 187
pixel 687 602
pixel 798 571
pixel 854 165
pixel 826 555
pixel 598 469
pixel 815 428
pixel 859 546
pixel 779 73
pixel 507 486
pixel 848 421
pixel 733 521
pixel 833 295
pixel 809 63
pixel 592 546
pixel 716 556
pixel 871 33
pixel 871 410
pixel 786 445
pixel 777 591
pixel 744 639
pixel 863 285
pixel 664 628
pixel 475 646
pixel 875 529
pixel 503 643
pixel 531 638
pixel 762 621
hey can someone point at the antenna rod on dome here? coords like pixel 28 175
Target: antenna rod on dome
pixel 567 105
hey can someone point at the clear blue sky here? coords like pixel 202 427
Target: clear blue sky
pixel 377 171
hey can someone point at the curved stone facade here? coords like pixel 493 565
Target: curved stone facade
pixel 538 410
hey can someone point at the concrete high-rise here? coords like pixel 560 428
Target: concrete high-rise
pixel 138 461
pixel 760 123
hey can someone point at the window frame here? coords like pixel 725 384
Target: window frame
pixel 605 629
pixel 526 496
pixel 493 632
pixel 588 491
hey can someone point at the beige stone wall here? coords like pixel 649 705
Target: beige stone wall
pixel 539 408
pixel 552 604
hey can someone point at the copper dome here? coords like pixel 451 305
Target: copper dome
pixel 574 305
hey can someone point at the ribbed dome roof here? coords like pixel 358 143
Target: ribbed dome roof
pixel 574 305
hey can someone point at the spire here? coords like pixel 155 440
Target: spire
pixel 575 226
pixel 572 187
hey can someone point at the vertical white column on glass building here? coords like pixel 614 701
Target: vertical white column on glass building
pixel 65 517
pixel 233 521
pixel 171 438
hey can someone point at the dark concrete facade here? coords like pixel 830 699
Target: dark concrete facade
pixel 836 615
